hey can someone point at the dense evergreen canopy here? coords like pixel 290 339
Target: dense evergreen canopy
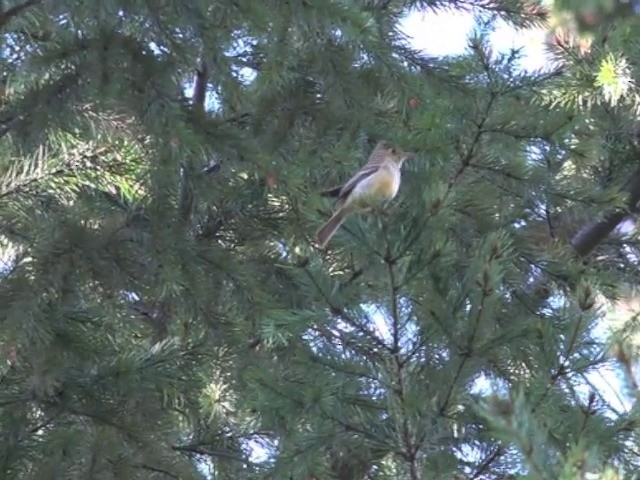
pixel 166 313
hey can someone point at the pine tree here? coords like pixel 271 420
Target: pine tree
pixel 167 314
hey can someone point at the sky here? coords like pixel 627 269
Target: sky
pixel 445 33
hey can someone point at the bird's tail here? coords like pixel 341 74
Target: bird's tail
pixel 329 228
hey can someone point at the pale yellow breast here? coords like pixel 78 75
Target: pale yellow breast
pixel 386 186
pixel 378 188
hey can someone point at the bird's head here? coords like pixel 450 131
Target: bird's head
pixel 385 151
pixel 400 155
pixel 397 155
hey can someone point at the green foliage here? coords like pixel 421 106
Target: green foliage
pixel 165 310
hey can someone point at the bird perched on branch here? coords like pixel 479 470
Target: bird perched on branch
pixel 375 183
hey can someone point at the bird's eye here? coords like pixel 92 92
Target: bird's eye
pixel 393 151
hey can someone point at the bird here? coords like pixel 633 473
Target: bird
pixel 375 183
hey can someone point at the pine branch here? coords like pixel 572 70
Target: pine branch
pixel 410 445
pixel 99 419
pixel 467 157
pixel 39 97
pixel 156 317
pixel 331 416
pixel 394 305
pixel 144 466
pixel 339 312
pixel 589 237
pixel 40 426
pixel 6 124
pixel 200 87
pixel 8 15
pixel 466 354
pixel 23 177
pixel 487 462
pixel 199 449
pixel 563 370
pixel 18 400
pixel 186 200
pixel 594 233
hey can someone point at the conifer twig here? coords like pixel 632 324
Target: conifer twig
pixel 8 15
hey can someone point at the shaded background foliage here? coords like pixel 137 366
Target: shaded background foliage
pixel 165 313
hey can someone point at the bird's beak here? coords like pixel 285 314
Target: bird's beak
pixel 408 155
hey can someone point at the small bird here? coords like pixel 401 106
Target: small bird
pixel 375 183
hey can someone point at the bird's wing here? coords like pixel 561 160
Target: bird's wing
pixel 363 173
pixel 376 158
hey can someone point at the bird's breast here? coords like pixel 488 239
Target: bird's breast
pixel 381 186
